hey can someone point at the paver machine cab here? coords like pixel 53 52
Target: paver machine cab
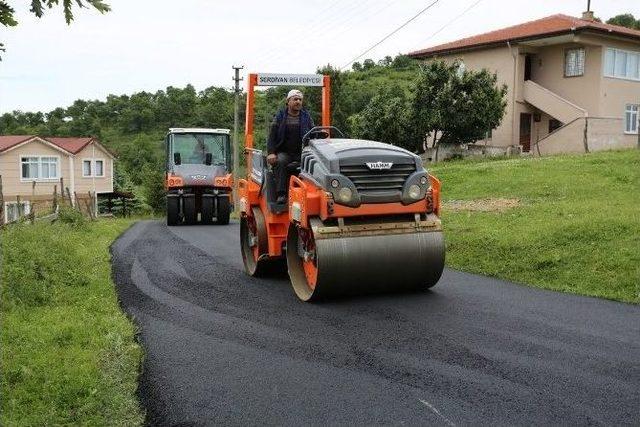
pixel 198 179
pixel 361 216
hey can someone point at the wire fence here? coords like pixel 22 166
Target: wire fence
pixel 35 206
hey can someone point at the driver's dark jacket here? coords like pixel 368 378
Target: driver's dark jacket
pixel 276 142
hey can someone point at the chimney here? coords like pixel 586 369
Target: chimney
pixel 588 15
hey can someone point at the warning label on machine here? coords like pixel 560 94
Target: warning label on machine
pixel 289 79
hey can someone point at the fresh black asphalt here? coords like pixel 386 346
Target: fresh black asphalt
pixel 226 349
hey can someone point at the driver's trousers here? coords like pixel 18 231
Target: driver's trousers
pixel 281 173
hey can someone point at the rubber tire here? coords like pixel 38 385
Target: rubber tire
pixel 173 210
pixel 206 210
pixel 224 211
pixel 189 210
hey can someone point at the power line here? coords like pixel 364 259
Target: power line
pixel 390 34
pixel 447 24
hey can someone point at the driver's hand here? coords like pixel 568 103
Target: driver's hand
pixel 272 159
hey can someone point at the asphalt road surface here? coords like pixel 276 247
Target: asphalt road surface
pixel 225 348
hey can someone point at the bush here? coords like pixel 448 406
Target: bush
pixel 69 215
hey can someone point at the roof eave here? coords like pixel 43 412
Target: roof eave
pixel 488 45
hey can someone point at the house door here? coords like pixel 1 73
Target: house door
pixel 527 67
pixel 525 132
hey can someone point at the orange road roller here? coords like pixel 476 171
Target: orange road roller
pixel 360 216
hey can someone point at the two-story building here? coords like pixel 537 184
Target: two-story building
pixel 30 167
pixel 573 83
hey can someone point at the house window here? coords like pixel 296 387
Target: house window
pixel 554 124
pixel 622 64
pixel 631 118
pixel 574 62
pixel 99 169
pixel 13 210
pixel 86 168
pixel 92 168
pixel 39 167
pixel 30 167
pixel 49 167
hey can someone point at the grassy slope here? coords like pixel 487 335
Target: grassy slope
pixel 576 229
pixel 68 352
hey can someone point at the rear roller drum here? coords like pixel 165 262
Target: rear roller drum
pixel 253 242
pixel 362 264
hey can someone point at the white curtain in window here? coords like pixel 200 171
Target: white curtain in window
pixel 29 167
pixel 633 68
pixel 99 168
pixel 86 168
pixel 631 118
pixel 49 167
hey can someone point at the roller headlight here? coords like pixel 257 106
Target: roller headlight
pixel 414 191
pixel 423 180
pixel 344 195
pixel 335 183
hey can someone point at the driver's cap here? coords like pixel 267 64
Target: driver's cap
pixel 294 92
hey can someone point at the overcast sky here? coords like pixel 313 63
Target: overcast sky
pixel 151 44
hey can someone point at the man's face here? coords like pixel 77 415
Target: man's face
pixel 294 103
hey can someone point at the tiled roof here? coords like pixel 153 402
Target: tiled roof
pixel 549 26
pixel 71 145
pixel 8 141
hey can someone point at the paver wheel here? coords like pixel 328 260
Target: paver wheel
pixel 189 209
pixel 224 211
pixel 206 210
pixel 173 210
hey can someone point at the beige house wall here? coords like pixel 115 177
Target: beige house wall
pixel 10 169
pixel 97 184
pixel 547 69
pixel 602 97
pixel 569 140
pixel 500 61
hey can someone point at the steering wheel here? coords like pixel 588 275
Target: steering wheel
pixel 320 132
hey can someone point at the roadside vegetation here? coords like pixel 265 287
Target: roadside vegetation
pixel 568 223
pixel 68 352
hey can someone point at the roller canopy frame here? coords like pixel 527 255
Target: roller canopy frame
pixel 253 82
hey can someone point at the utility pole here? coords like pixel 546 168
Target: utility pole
pixel 236 147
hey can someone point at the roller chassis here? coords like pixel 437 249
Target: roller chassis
pixel 328 245
pixel 361 216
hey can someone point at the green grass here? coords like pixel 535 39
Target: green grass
pixel 576 229
pixel 68 352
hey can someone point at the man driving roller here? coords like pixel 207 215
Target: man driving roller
pixel 285 139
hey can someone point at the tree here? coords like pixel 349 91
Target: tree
pixel 38 6
pixel 385 118
pixel 625 20
pixel 456 107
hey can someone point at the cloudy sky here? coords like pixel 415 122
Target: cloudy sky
pixel 151 44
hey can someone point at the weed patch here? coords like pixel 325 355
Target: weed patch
pixel 68 353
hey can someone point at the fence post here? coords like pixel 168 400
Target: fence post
pixel 91 206
pixel 55 199
pixel 75 199
pixel 19 207
pixel 1 203
pixel 69 197
pixel 32 204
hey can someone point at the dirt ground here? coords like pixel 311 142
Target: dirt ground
pixel 481 205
